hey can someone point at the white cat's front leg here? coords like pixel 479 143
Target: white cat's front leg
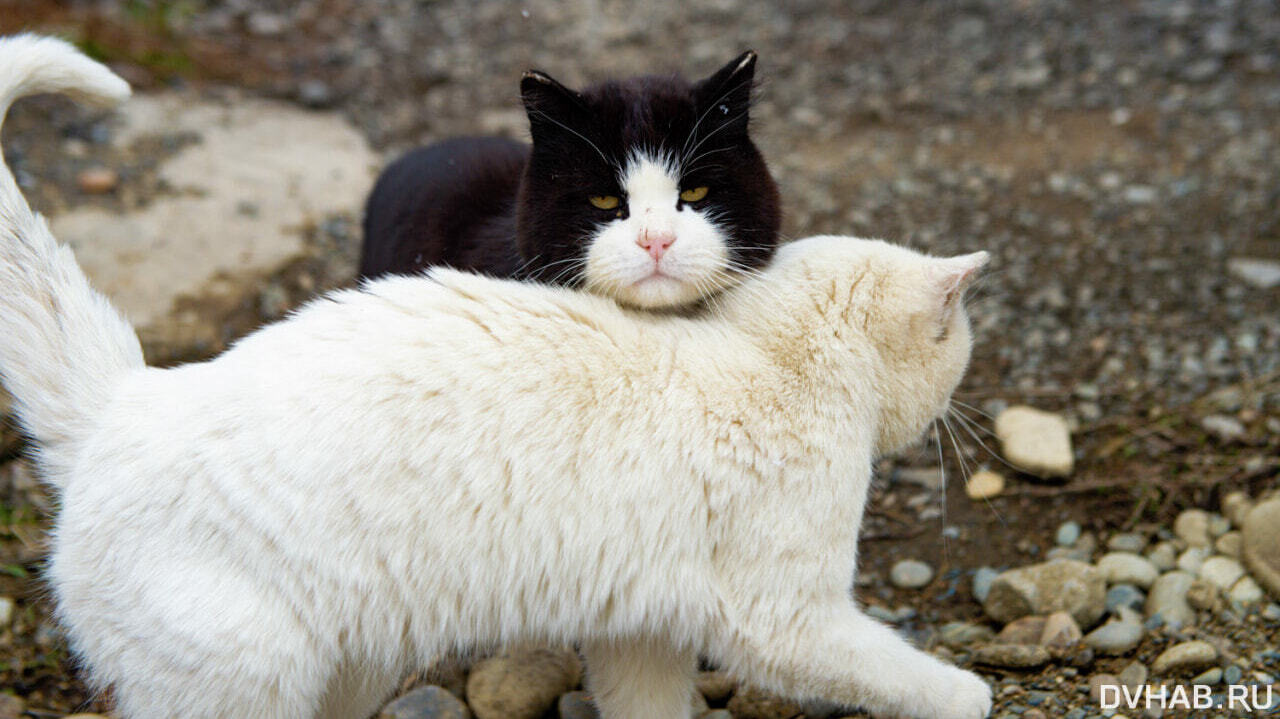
pixel 838 653
pixel 640 679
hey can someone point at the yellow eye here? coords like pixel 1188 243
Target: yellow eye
pixel 605 202
pixel 693 195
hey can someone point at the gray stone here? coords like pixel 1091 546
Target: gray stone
pixel 1229 544
pixel 426 703
pixel 1246 592
pixel 1133 675
pixel 577 705
pixel 1012 656
pixel 1130 542
pixel 1209 677
pixel 1125 568
pixel 521 685
pixel 1068 533
pixel 1221 572
pixel 6 611
pixel 1185 657
pixel 296 166
pixel 1204 596
pixel 1192 527
pixel 1226 429
pixel 1061 633
pixel 982 579
pixel 1164 556
pixel 1125 595
pixel 1191 559
pixel 1235 506
pixel 1059 585
pixel 1024 630
pixel 958 635
pixel 1168 598
pixel 1260 273
pixel 1260 548
pixel 910 574
pixel 1117 636
pixel 1036 442
pixel 1232 674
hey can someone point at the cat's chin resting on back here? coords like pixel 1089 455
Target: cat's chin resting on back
pixel 432 463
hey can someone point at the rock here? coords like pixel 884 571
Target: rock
pixel 429 702
pixel 1097 682
pixel 752 703
pixel 1209 677
pixel 1221 572
pixel 1125 568
pixel 1024 630
pixel 1059 585
pixel 1035 442
pixel 97 180
pixel 715 686
pixel 1229 544
pixel 1061 634
pixel 1118 636
pixel 577 705
pixel 1012 656
pixel 1133 675
pixel 958 635
pixel 521 685
pixel 1204 596
pixel 1261 273
pixel 1233 674
pixel 910 574
pixel 1246 591
pixel 1164 556
pixel 1125 595
pixel 1192 527
pixel 1185 657
pixel 11 707
pixel 1068 533
pixel 1130 542
pixel 1168 598
pixel 1190 560
pixel 297 167
pixel 1218 526
pixel 315 94
pixel 6 611
pixel 984 484
pixel 1260 548
pixel 1235 506
pixel 982 579
pixel 1224 428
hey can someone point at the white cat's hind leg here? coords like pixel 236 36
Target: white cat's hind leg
pixel 640 679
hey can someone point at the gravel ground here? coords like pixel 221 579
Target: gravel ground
pixel 1121 161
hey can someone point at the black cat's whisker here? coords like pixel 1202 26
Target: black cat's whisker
pixel 565 127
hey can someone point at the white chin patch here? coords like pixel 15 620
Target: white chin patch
pixel 693 266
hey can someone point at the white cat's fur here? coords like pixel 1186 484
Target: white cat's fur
pixel 444 462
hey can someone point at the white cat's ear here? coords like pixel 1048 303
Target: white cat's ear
pixel 953 275
pixel 551 107
pixel 725 97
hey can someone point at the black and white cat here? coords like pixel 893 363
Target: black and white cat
pixel 647 190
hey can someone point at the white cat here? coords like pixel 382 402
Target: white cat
pixel 442 462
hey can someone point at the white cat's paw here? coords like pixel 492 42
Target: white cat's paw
pixel 967 696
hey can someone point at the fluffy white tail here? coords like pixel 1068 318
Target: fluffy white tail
pixel 62 345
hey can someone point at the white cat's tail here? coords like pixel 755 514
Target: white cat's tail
pixel 62 345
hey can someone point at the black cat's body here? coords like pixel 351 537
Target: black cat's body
pixel 452 203
pixel 506 209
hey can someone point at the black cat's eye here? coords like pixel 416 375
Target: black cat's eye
pixel 605 202
pixel 696 194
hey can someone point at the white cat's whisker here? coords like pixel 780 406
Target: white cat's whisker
pixel 572 131
pixel 684 151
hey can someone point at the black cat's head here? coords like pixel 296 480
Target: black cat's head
pixel 648 190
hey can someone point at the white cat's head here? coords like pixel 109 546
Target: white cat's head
pixel 897 310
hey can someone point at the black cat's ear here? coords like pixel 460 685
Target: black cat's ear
pixel 725 97
pixel 551 107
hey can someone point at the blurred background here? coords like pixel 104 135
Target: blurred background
pixel 1119 158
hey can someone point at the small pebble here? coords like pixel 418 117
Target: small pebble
pixel 910 574
pixel 1233 674
pixel 984 484
pixel 1130 542
pixel 1204 596
pixel 1068 533
pixel 1209 678
pixel 1097 682
pixel 1125 568
pixel 1190 560
pixel 1164 556
pixel 1012 656
pixel 1246 591
pixel 982 579
pixel 1221 572
pixel 1229 544
pixel 1125 595
pixel 1235 505
pixel 1117 636
pixel 1134 675
pixel 1185 656
pixel 97 180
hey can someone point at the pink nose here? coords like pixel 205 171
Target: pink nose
pixel 655 243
